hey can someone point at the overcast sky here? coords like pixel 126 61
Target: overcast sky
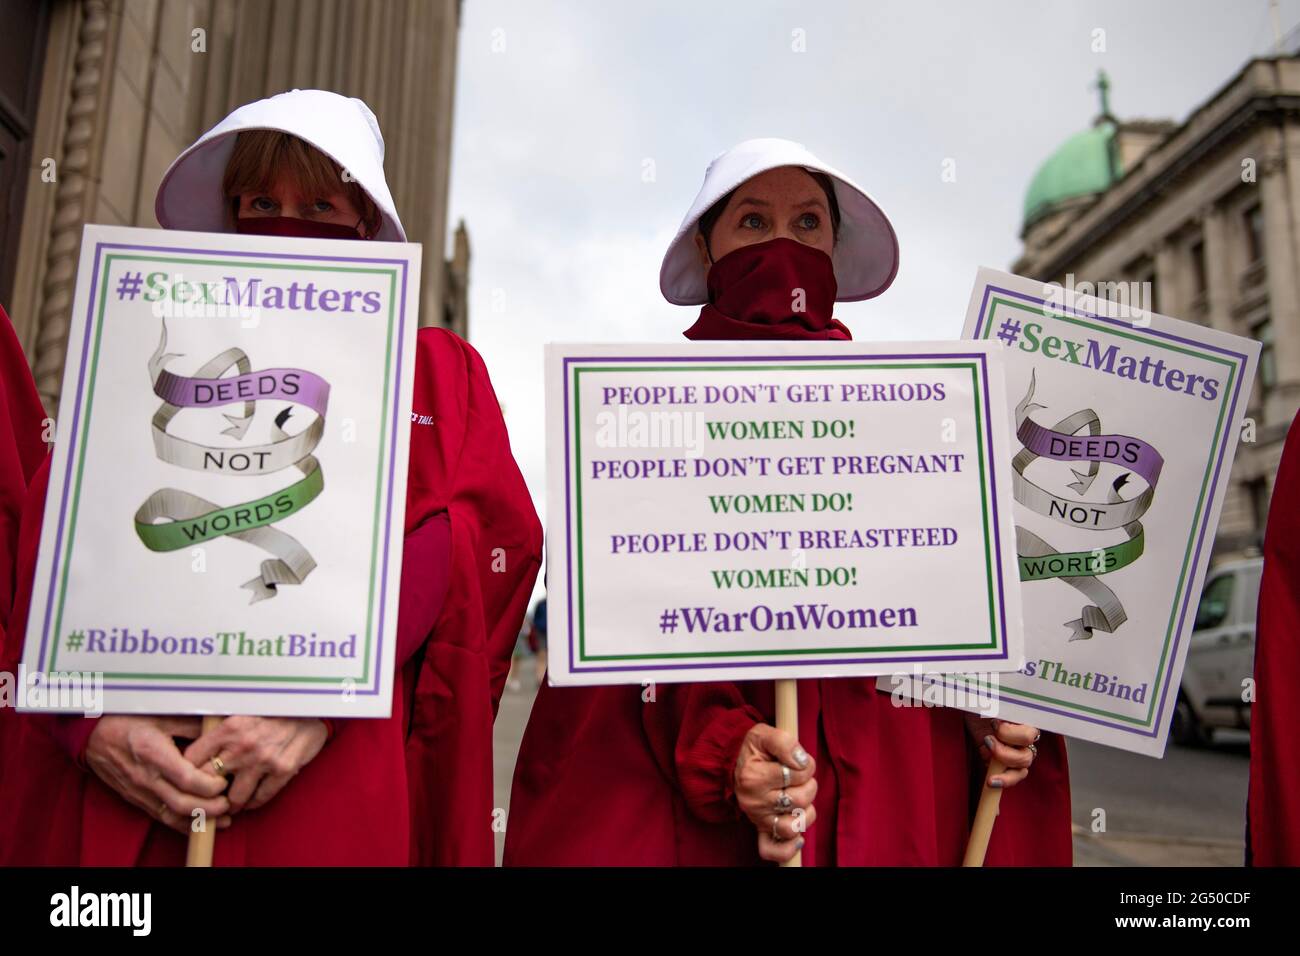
pixel 560 104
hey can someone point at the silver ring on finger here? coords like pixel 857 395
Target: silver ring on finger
pixel 1033 750
pixel 784 802
pixel 776 836
pixel 785 777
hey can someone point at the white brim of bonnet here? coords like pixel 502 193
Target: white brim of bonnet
pixel 866 253
pixel 343 128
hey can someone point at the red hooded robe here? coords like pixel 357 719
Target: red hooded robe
pixel 1273 808
pixel 22 449
pixel 415 787
pixel 626 776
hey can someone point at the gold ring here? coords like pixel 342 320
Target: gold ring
pixel 219 766
pixel 162 810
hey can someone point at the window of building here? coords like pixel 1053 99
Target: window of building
pixel 1145 295
pixel 1262 332
pixel 1254 222
pixel 22 51
pixel 1257 489
pixel 1200 280
pixel 1216 601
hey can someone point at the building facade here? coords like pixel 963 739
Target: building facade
pixel 1206 213
pixel 97 97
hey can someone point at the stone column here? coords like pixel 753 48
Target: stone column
pixel 1283 295
pixel 24 306
pixel 78 170
pixel 1218 268
pixel 1169 281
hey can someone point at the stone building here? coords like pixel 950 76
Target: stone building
pixel 97 97
pixel 1205 212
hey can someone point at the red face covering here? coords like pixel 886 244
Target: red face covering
pixel 289 226
pixel 752 295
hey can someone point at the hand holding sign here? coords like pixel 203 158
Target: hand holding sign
pixel 775 788
pixel 138 758
pixel 260 754
pixel 1007 744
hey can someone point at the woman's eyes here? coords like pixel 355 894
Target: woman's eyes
pixel 321 207
pixel 809 221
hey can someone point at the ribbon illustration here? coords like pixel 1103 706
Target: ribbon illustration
pixel 190 519
pixel 1080 569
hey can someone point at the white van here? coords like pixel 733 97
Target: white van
pixel 1221 656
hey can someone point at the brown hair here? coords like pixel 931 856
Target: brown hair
pixel 714 212
pixel 262 156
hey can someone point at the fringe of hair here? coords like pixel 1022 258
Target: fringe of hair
pixel 263 156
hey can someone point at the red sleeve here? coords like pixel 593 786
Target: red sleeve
pixel 71 734
pixel 69 731
pixel 461 464
pixel 426 569
pixel 22 452
pixel 1273 802
pixel 695 731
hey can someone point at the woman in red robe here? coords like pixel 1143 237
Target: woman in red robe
pixel 23 426
pixel 1273 807
pixel 415 787
pixel 696 773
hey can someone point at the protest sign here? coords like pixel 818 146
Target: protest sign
pixel 223 528
pixel 1126 426
pixel 755 510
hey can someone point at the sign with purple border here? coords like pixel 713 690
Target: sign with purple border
pixel 223 527
pixel 1126 423
pixel 757 510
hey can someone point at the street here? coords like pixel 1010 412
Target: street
pixel 512 717
pixel 1188 809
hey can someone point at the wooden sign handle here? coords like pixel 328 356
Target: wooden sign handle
pixel 787 719
pixel 199 852
pixel 985 814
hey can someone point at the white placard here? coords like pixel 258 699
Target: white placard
pixel 747 510
pixel 223 529
pixel 1126 426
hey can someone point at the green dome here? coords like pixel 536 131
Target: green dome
pixel 1081 166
